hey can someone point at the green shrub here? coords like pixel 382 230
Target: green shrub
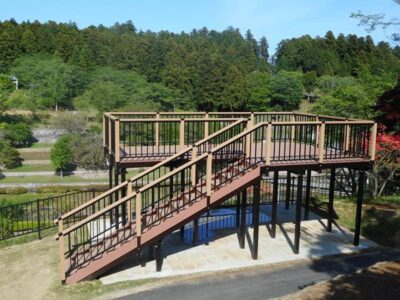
pixel 19 134
pixel 19 190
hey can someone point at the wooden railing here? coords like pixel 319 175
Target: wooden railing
pixel 208 165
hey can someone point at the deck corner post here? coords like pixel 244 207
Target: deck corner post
pixel 331 198
pixel 293 129
pixel 360 195
pixel 372 153
pixel 159 258
pixel 274 204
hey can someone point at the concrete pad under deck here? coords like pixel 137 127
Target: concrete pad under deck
pixel 222 252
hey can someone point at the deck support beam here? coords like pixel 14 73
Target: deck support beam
pixel 360 195
pixel 308 195
pixel 242 232
pixel 331 198
pixel 298 213
pixel 274 204
pixel 288 182
pixel 256 218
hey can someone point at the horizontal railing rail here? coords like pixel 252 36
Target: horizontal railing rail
pixel 38 215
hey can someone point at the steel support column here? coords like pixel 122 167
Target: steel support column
pixel 308 194
pixel 242 232
pixel 298 213
pixel 159 259
pixel 274 204
pixel 238 210
pixel 195 231
pixel 288 183
pixel 360 196
pixel 256 218
pixel 331 197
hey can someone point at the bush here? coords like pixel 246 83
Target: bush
pixel 9 156
pixel 19 134
pixel 17 190
pixel 61 154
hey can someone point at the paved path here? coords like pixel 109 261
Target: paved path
pixel 264 283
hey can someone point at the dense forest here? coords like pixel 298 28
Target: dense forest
pixel 58 65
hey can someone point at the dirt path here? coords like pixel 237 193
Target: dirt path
pixel 28 271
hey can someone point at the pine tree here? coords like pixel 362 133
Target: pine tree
pixel 264 48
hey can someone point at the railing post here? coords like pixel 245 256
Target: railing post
pixel 104 130
pixel 268 141
pixel 38 218
pixel 293 129
pixel 209 174
pixel 373 142
pixel 206 126
pixel 321 142
pixel 182 134
pixel 117 140
pixel 248 138
pixel 317 131
pixel 61 250
pixel 138 214
pixel 129 208
pixel 193 171
pixel 251 120
pixel 346 137
pixel 157 129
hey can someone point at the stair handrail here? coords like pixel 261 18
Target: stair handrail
pixel 148 171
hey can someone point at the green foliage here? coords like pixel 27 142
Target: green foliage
pixel 61 154
pixel 9 156
pixel 259 91
pixel 345 101
pixel 50 79
pixel 6 87
pixel 19 134
pixel 286 90
pixel 310 81
pixel 87 151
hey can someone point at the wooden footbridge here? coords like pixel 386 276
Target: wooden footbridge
pixel 195 162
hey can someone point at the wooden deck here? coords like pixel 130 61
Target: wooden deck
pixel 284 155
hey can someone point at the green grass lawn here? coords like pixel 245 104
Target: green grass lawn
pixel 42 155
pixel 31 168
pixel 380 218
pixel 41 145
pixel 7 199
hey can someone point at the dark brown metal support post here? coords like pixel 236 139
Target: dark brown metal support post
pixel 243 215
pixel 274 204
pixel 288 182
pixel 110 175
pixel 298 213
pixel 331 197
pixel 360 196
pixel 256 218
pixel 308 194
pixel 195 231
pixel 182 233
pixel 116 182
pixel 159 259
pixel 238 210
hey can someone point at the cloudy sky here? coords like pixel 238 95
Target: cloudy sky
pixel 273 18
